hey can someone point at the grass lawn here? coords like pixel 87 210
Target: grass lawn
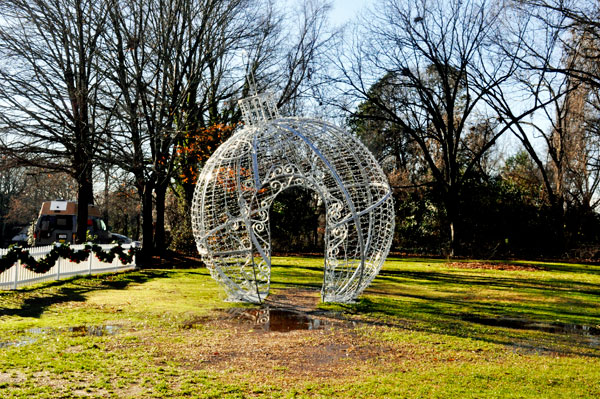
pixel 425 328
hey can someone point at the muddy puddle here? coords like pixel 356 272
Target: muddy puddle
pixel 281 320
pixel 32 335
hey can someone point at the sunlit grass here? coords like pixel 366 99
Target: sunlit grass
pixel 444 332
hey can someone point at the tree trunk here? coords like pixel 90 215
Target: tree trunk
pixel 452 240
pixel 188 193
pixel 147 224
pixel 85 196
pixel 558 216
pixel 159 234
pixel 452 213
pixel 138 225
pixel 105 214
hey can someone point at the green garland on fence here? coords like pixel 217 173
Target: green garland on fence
pixel 41 266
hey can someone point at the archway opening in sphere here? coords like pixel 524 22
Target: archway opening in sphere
pixel 298 223
pixel 297 218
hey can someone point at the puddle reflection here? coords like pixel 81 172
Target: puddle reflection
pixel 279 320
pixel 93 331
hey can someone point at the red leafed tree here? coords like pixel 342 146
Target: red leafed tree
pixel 194 150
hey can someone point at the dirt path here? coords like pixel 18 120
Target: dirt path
pixel 286 340
pixel 295 299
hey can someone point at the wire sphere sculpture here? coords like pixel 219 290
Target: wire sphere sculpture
pixel 238 184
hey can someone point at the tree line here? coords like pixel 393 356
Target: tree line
pixel 129 84
pixel 443 85
pixel 438 90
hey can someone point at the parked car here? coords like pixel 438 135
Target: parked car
pixel 57 222
pixel 120 238
pixel 21 237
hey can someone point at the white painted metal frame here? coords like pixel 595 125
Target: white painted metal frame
pixel 235 190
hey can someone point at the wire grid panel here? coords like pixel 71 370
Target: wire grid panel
pixel 235 190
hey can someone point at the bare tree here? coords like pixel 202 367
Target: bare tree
pixel 586 171
pixel 439 65
pixel 178 69
pixel 576 27
pixel 163 57
pixel 579 142
pixel 49 86
pixel 556 80
pixel 37 186
pixel 577 24
pixel 11 184
pixel 304 55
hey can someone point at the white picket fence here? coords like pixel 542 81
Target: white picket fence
pixel 17 276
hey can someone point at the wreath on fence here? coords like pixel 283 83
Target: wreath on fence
pixel 42 265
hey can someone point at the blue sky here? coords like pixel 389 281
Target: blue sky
pixel 345 10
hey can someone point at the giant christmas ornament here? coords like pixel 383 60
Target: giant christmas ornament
pixel 235 190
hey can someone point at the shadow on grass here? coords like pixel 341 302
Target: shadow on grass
pixel 33 301
pixel 564 267
pixel 297 276
pixel 287 268
pixel 444 279
pixel 595 270
pixel 173 260
pixel 521 334
pixel 287 284
pixel 533 313
pixel 546 315
pixel 521 327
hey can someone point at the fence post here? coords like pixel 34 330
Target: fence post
pixel 116 261
pixel 90 259
pixel 134 258
pixel 17 266
pixel 58 262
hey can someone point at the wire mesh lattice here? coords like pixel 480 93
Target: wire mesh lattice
pixel 235 190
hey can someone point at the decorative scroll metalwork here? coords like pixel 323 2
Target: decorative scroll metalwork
pixel 230 212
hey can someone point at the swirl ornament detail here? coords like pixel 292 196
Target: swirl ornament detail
pixel 230 211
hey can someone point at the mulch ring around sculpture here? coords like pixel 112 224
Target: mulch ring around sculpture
pixel 283 344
